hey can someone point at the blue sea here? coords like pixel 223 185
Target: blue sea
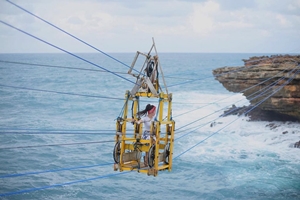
pixel 57 128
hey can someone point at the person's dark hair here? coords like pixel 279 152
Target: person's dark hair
pixel 144 112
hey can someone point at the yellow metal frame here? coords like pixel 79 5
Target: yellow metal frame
pixel 131 148
pixel 128 150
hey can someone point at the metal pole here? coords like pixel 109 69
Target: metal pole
pixel 160 67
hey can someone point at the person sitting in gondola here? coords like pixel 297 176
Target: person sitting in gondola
pixel 147 117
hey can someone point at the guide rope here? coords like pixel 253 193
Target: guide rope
pixel 257 96
pixel 56 66
pixel 61 184
pixel 72 54
pixel 249 110
pixel 263 92
pixel 68 33
pixel 69 183
pixel 57 92
pixel 231 71
pixel 63 144
pixel 53 170
pixel 109 175
pixel 244 90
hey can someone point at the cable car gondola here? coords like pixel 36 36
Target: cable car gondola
pixel 131 151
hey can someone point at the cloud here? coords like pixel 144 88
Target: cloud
pixel 231 5
pixel 287 7
pixel 282 20
pixel 202 17
pixel 179 25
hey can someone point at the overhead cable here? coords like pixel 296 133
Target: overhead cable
pixel 72 54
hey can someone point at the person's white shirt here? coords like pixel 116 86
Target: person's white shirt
pixel 147 122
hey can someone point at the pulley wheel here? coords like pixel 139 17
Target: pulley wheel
pixel 117 152
pixel 151 156
pixel 166 153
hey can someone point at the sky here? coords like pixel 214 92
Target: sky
pixel 205 26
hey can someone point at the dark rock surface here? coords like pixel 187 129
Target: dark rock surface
pixel 279 73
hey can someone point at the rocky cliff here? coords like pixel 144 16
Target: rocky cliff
pixel 260 77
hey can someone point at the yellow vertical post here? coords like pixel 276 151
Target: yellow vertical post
pixel 135 105
pixel 161 108
pixel 170 106
pixel 156 160
pixel 124 129
pixel 171 131
pixel 125 111
pixel 171 146
pixel 117 131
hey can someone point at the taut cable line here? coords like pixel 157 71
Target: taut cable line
pixel 56 66
pixel 249 110
pixel 72 54
pixel 109 175
pixel 50 145
pixel 67 33
pixel 56 92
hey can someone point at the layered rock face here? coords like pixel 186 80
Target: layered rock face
pixel 274 80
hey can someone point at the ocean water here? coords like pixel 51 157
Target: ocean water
pixel 57 102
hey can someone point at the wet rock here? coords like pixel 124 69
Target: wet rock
pixel 233 110
pixel 257 114
pixel 215 123
pixel 272 126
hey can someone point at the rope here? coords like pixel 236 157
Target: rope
pixel 190 81
pixel 99 177
pixel 77 68
pixel 202 125
pixel 231 95
pixel 82 40
pixel 11 132
pixel 53 130
pixel 123 108
pixel 257 96
pixel 260 102
pixel 65 51
pixel 54 170
pixel 57 92
pixel 22 131
pixel 160 99
pixel 68 33
pixel 8 130
pixel 61 184
pixel 84 180
pixel 64 144
pixel 56 66
pixel 240 69
pixel 177 129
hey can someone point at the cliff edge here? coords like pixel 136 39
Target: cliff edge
pixel 260 77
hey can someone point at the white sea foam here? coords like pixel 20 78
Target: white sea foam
pixel 233 137
pixel 244 160
pixel 248 140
